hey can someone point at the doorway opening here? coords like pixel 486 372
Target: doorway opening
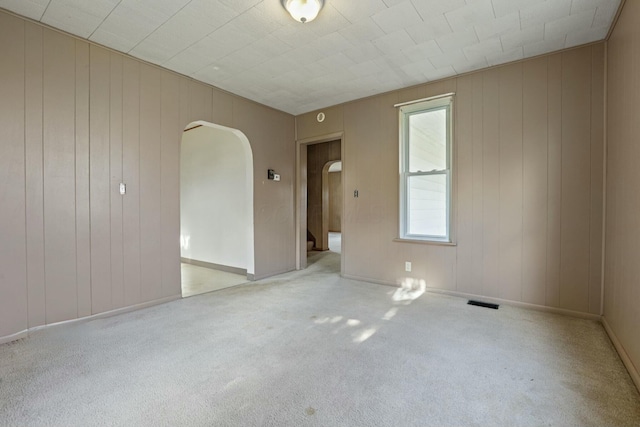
pixel 320 201
pixel 216 208
pixel 332 205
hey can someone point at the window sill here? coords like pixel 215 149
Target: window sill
pixel 424 242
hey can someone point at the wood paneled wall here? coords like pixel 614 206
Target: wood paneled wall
pixel 77 120
pixel 528 182
pixel 622 260
pixel 317 157
pixel 335 201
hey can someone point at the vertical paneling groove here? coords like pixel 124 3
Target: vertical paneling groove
pixel 83 225
pixel 597 178
pixel 335 201
pixel 150 176
pixel 34 174
pixel 115 177
pixel 13 264
pixel 535 182
pixel 576 114
pixel 201 101
pixel 59 177
pixel 222 113
pixel 554 178
pixel 464 170
pixel 491 184
pixel 170 183
pixel 99 180
pixel 387 179
pixel 510 257
pixel 390 153
pixel 363 130
pixel 131 177
pixel 477 266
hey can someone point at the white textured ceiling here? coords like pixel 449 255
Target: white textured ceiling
pixel 355 48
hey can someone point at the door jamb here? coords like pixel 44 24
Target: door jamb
pixel 301 195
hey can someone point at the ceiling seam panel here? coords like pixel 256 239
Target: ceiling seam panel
pixel 160 26
pixel 45 10
pixel 102 22
pixel 209 34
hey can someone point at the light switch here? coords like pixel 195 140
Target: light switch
pixel 276 177
pixel 123 188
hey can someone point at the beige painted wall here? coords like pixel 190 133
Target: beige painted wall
pixel 528 183
pixel 622 262
pixel 78 119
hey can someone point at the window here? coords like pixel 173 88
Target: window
pixel 425 170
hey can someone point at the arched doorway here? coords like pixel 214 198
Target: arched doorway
pixel 216 208
pixel 304 164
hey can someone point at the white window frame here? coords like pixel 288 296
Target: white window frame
pixel 405 111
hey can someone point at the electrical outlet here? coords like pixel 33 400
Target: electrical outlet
pixel 407 266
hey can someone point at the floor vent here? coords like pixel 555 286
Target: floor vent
pixel 483 304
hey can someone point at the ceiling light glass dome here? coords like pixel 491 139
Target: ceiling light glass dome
pixel 303 10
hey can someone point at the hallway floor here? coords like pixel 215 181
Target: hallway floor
pixel 198 280
pixel 335 242
pixel 309 348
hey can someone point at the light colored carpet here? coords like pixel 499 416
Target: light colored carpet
pixel 309 348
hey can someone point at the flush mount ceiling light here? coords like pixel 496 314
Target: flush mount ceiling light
pixel 303 10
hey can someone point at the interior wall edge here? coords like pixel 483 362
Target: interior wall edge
pixel 615 19
pixel 622 290
pixel 604 173
pixel 626 360
pixel 25 333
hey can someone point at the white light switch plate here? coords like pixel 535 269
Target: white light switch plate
pixel 276 177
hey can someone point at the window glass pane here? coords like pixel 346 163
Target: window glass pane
pixel 428 140
pixel 427 205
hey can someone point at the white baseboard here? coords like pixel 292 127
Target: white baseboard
pixel 14 337
pixel 369 280
pixel 266 276
pixel 109 313
pixel 626 360
pixel 213 266
pixel 526 305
